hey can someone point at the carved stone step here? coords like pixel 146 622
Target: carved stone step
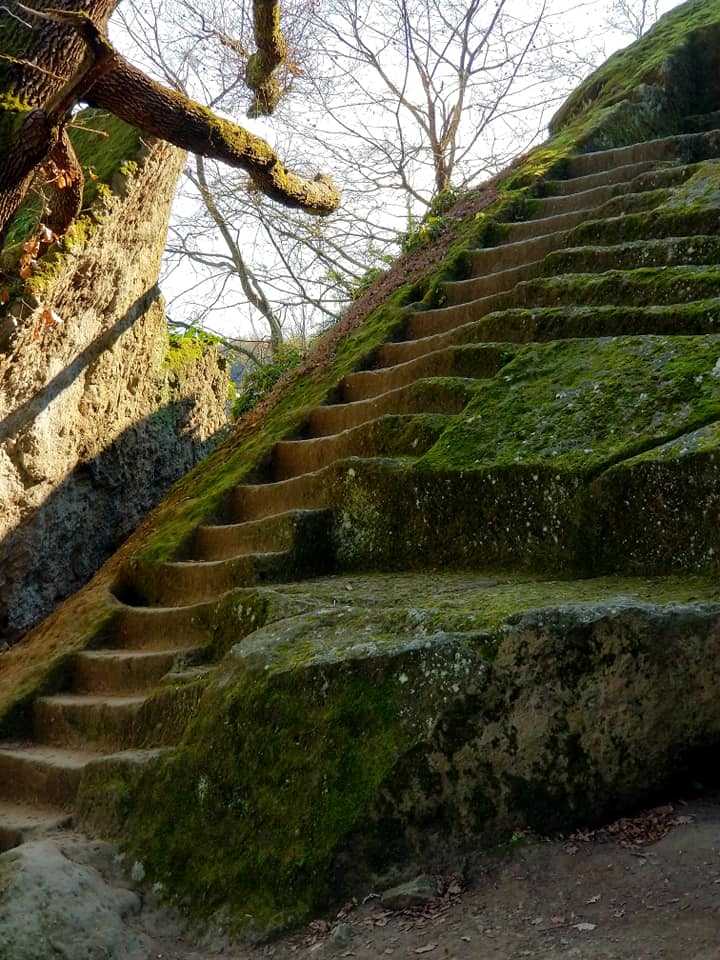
pixel 221 541
pixel 470 362
pixel 160 628
pixel 620 174
pixel 387 436
pixel 21 823
pixel 42 774
pixel 522 325
pixel 423 396
pixel 509 255
pixel 690 148
pixel 125 671
pixel 254 501
pixel 546 226
pixel 620 288
pixel 99 722
pixel 185 582
pixel 668 251
pixel 665 148
pixel 425 323
pixel 582 199
pixel 462 291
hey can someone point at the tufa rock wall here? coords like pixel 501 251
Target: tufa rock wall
pixel 99 411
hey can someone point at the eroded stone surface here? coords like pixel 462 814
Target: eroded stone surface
pixel 55 904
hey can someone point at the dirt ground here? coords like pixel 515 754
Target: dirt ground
pixel 617 894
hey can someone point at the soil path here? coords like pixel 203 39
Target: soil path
pixel 600 897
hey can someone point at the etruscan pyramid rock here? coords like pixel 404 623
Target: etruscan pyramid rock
pixel 460 579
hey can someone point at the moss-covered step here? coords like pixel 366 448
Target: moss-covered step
pixel 688 147
pixel 387 436
pixel 83 721
pixel 310 491
pixel 155 628
pixel 501 281
pixel 697 196
pixel 468 362
pixel 187 582
pixel 624 173
pixel 585 404
pixel 667 252
pixel 637 287
pixel 664 175
pixel 418 715
pixel 537 324
pixel 669 502
pixel 645 285
pixel 277 533
pixel 670 251
pixel 544 226
pixel 126 671
pixel 433 395
pixel 506 256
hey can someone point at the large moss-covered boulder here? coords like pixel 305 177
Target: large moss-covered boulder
pixel 385 721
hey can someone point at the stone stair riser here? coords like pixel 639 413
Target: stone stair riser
pixel 233 540
pixel 428 322
pixel 382 437
pixel 582 200
pixel 81 724
pixel 301 493
pixel 467 362
pixel 115 672
pixel 621 174
pixel 154 629
pixel 25 778
pixel 462 291
pixel 187 583
pixel 510 255
pixel 420 397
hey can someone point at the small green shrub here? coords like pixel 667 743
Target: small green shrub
pixel 263 377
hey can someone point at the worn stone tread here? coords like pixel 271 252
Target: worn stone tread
pixel 20 823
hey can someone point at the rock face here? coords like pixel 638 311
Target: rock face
pixel 55 904
pixel 99 413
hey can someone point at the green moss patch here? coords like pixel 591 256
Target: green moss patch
pixel 579 405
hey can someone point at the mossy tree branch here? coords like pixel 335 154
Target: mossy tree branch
pixel 57 59
pixel 272 51
pixel 135 98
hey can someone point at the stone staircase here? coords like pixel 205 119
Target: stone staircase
pixel 274 530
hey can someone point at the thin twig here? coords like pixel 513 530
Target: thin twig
pixel 33 66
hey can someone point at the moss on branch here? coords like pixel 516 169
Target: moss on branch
pixel 172 116
pixel 272 51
